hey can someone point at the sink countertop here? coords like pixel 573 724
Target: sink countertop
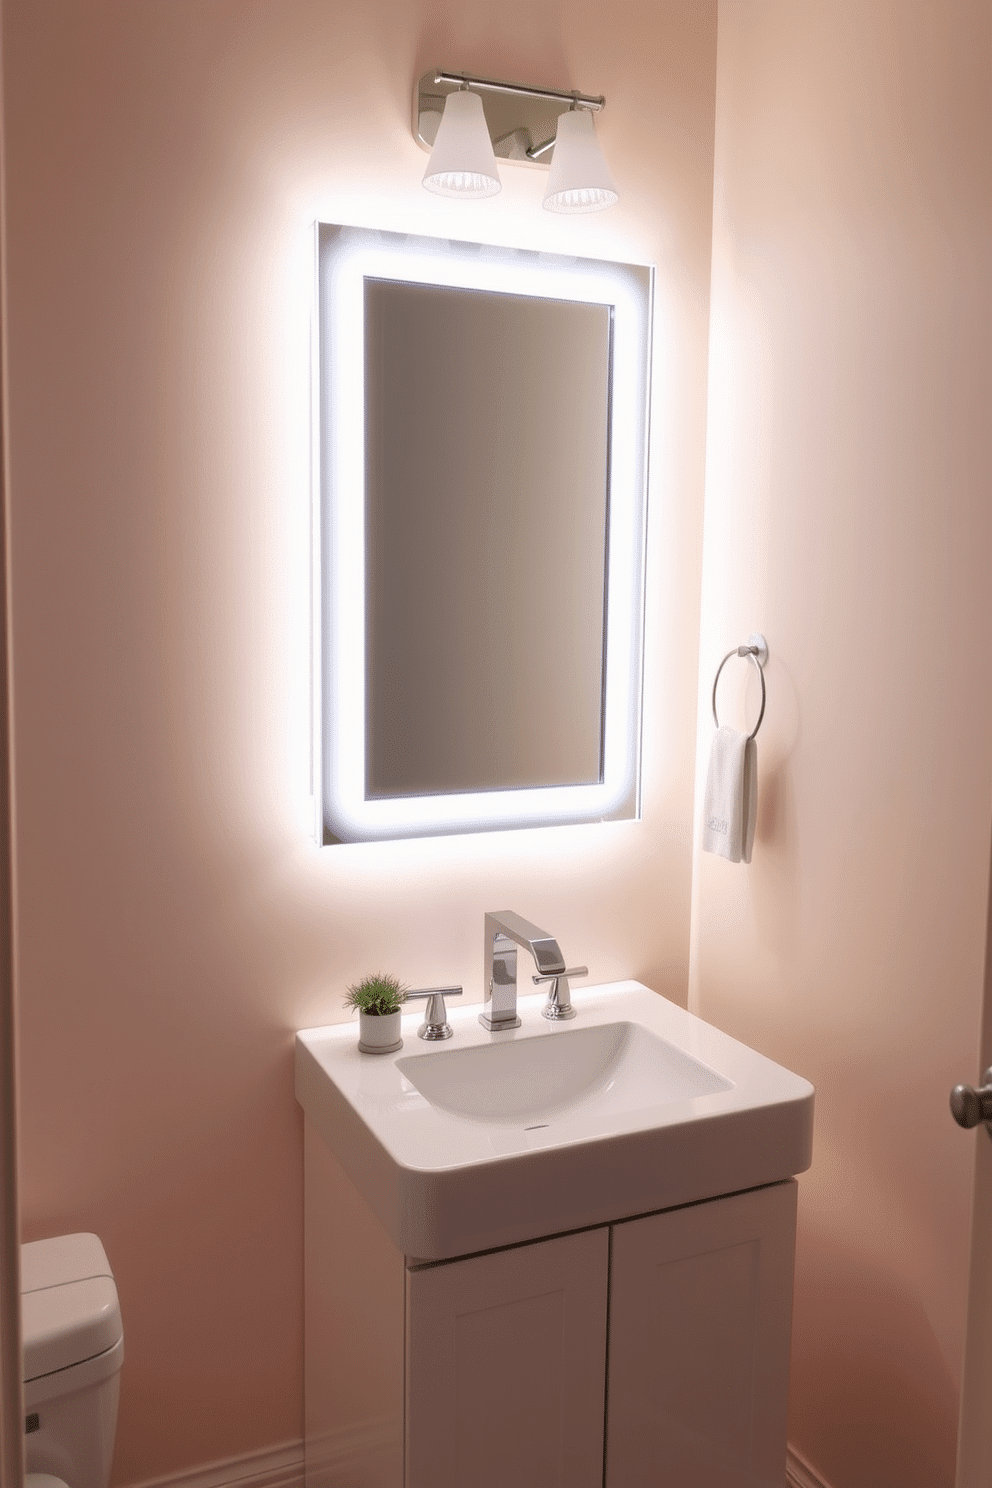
pixel 445 1184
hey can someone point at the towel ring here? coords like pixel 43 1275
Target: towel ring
pixel 756 650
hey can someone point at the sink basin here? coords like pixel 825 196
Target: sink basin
pixel 605 1068
pixel 490 1139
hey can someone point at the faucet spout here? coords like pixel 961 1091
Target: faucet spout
pixel 504 932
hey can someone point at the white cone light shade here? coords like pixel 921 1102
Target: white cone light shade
pixel 462 162
pixel 579 180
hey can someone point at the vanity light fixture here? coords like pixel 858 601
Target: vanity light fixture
pixel 469 122
pixel 579 180
pixel 462 162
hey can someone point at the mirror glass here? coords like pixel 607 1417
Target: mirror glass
pixel 482 418
pixel 485 539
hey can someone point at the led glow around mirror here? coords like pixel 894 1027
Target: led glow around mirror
pixel 350 260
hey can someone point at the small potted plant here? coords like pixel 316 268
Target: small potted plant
pixel 379 1000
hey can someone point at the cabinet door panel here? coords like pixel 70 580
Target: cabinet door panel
pixel 700 1327
pixel 506 1368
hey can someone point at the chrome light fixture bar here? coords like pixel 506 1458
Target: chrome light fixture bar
pixel 523 126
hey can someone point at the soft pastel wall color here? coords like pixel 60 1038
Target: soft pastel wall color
pixel 848 516
pixel 165 163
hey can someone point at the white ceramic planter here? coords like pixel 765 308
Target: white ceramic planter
pixel 379 1035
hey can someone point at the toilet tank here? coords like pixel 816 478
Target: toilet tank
pixel 73 1351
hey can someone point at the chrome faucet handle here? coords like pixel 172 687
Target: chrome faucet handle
pixel 435 1025
pixel 559 1004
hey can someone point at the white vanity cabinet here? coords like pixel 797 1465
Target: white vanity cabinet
pixel 700 1327
pixel 669 1334
pixel 506 1367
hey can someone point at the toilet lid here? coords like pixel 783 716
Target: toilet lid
pixel 69 1306
pixel 64 1325
pixel 43 1480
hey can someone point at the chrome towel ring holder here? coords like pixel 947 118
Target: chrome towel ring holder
pixel 756 651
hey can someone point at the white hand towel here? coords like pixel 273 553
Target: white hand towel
pixel 730 804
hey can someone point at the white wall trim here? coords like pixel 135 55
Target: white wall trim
pixel 799 1474
pixel 282 1467
pixel 272 1467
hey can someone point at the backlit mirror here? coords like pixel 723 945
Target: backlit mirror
pixel 482 456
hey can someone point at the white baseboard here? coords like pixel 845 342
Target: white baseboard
pixel 273 1467
pixel 366 1454
pixel 799 1474
pixel 282 1466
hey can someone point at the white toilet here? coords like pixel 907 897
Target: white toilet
pixel 73 1351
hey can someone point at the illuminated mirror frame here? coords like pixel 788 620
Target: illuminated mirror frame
pixel 346 256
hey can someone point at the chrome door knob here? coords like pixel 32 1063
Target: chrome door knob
pixel 970 1107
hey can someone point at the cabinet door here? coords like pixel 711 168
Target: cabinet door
pixel 700 1327
pixel 506 1368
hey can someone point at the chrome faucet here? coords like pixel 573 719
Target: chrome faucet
pixel 504 931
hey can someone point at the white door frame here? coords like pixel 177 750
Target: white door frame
pixel 974 1468
pixel 11 1388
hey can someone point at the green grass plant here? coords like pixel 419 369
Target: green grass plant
pixel 379 994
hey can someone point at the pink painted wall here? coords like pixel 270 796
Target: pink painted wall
pixel 165 163
pixel 848 516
